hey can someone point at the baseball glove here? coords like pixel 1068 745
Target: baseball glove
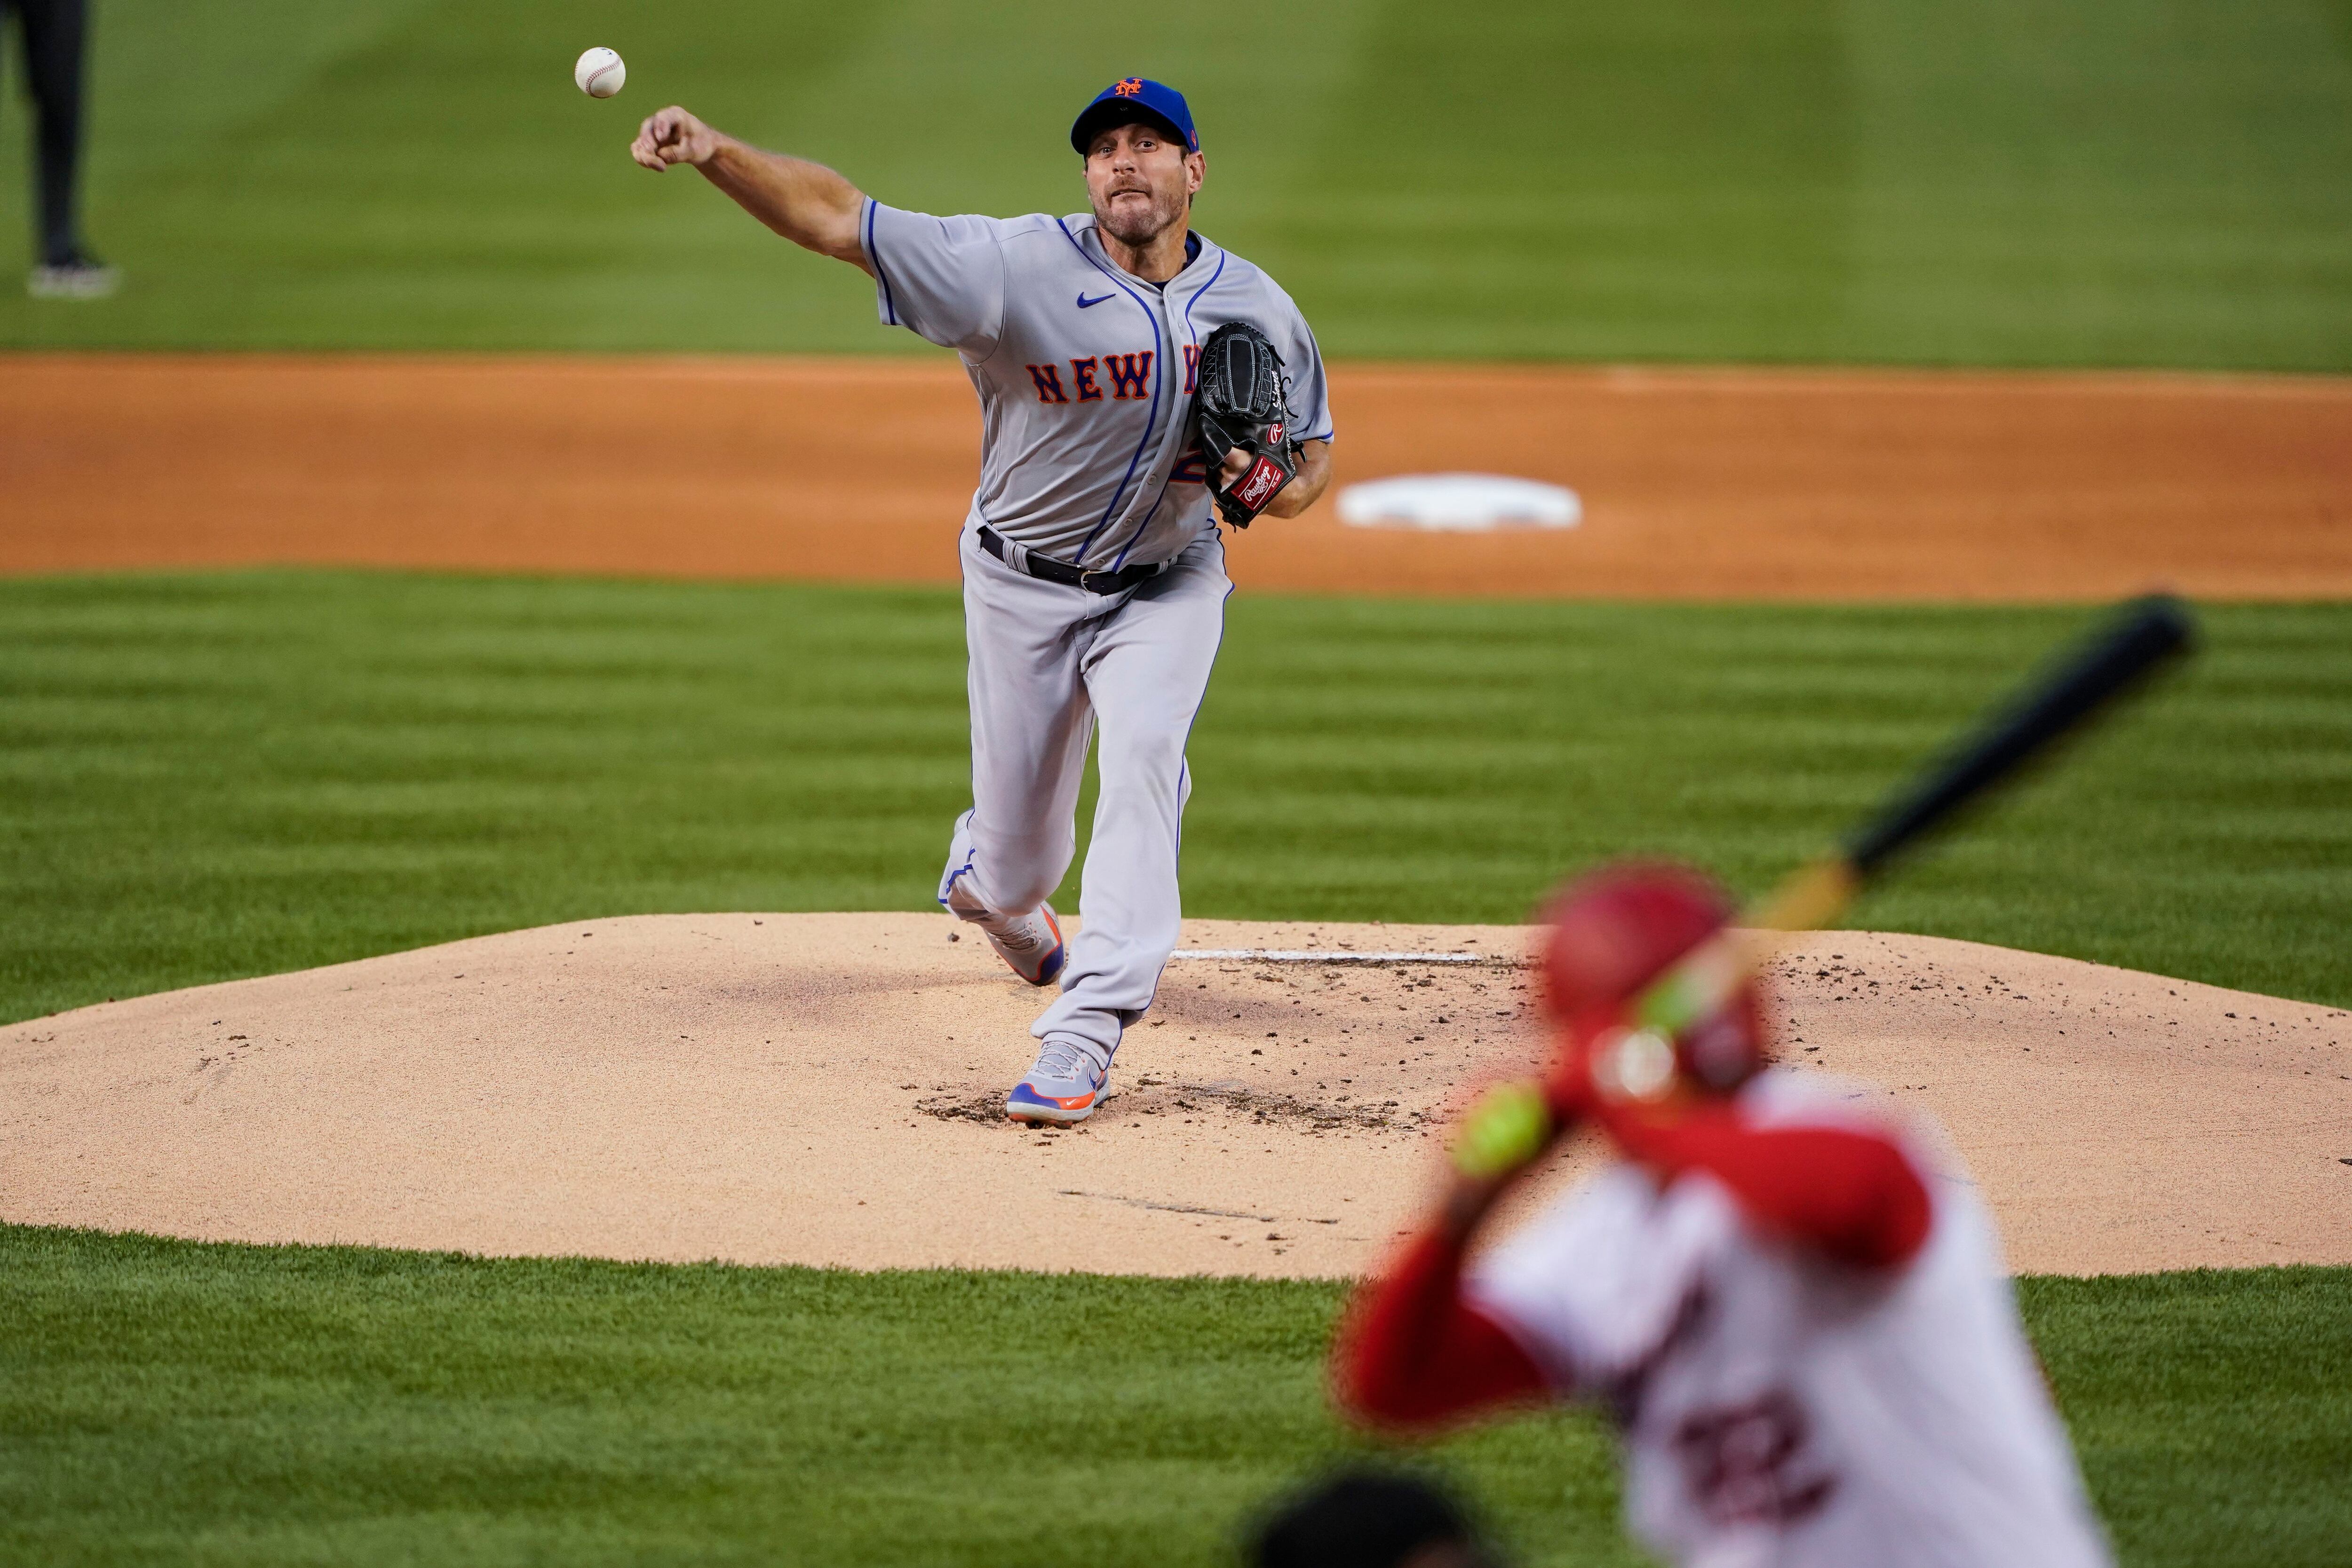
pixel 1244 404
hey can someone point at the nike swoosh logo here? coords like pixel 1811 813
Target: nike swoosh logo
pixel 1087 304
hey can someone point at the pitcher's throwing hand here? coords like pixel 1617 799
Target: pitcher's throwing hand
pixel 673 136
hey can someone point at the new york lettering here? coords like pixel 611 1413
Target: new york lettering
pixel 1129 375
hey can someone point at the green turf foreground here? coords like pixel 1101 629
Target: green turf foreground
pixel 165 1401
pixel 2009 181
pixel 212 775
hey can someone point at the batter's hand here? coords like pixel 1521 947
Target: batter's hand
pixel 1507 1129
pixel 673 136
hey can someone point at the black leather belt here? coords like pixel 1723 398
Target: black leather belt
pixel 1046 569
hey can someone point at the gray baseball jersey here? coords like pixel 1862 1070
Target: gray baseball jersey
pixel 1085 372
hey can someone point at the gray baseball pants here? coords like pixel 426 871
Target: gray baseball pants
pixel 1049 664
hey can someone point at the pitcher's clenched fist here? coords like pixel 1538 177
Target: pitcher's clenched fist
pixel 806 203
pixel 673 136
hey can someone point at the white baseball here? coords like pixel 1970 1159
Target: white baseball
pixel 599 73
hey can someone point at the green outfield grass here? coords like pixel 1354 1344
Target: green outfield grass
pixel 162 1401
pixel 2010 182
pixel 210 776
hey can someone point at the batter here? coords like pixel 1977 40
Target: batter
pixel 1801 1330
pixel 1094 577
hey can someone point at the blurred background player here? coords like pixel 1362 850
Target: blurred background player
pixel 1805 1337
pixel 55 35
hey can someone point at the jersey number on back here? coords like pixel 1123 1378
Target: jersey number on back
pixel 1744 1463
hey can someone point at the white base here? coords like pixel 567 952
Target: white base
pixel 1459 503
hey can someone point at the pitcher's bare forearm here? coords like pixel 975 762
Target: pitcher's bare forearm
pixel 806 203
pixel 1306 486
pixel 1302 492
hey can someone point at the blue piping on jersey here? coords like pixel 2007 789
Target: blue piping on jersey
pixel 1144 526
pixel 1331 434
pixel 1223 257
pixel 1190 301
pixel 1159 377
pixel 889 304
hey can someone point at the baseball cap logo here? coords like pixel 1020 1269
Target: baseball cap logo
pixel 1127 99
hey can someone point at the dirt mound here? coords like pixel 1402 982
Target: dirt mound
pixel 1696 484
pixel 822 1089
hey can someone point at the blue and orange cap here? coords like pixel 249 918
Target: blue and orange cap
pixel 1134 97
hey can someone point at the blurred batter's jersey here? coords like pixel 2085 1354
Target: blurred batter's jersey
pixel 1085 372
pixel 1778 1409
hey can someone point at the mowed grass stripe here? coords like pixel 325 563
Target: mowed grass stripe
pixel 220 775
pixel 169 1401
pixel 1994 182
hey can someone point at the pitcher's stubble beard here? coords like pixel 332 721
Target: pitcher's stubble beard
pixel 1138 224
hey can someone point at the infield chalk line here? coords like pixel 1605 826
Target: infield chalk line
pixel 1181 1207
pixel 1305 955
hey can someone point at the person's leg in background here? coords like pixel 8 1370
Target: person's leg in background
pixel 56 36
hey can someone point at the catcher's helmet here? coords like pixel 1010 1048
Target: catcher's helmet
pixel 1613 933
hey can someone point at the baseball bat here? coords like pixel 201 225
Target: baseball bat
pixel 2060 700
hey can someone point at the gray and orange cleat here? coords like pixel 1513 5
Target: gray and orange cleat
pixel 1069 1079
pixel 1031 945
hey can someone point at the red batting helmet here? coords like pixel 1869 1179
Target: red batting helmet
pixel 1613 936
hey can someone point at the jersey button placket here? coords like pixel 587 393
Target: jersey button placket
pixel 1148 495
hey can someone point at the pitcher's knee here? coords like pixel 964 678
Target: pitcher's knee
pixel 1153 761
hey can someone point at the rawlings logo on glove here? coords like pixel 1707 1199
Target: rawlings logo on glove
pixel 1254 490
pixel 1244 405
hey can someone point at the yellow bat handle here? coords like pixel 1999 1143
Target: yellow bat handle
pixel 1705 978
pixel 1808 898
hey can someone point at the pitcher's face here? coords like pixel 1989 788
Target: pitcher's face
pixel 1140 181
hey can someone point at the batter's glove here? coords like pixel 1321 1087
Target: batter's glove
pixel 1244 404
pixel 1507 1129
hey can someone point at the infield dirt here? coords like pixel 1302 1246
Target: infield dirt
pixel 821 1088
pixel 826 1089
pixel 1697 484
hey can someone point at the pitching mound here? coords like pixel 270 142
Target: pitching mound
pixel 822 1089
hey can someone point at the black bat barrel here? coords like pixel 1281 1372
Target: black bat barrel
pixel 2141 636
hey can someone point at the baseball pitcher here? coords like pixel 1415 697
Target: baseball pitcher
pixel 1134 379
pixel 1804 1336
